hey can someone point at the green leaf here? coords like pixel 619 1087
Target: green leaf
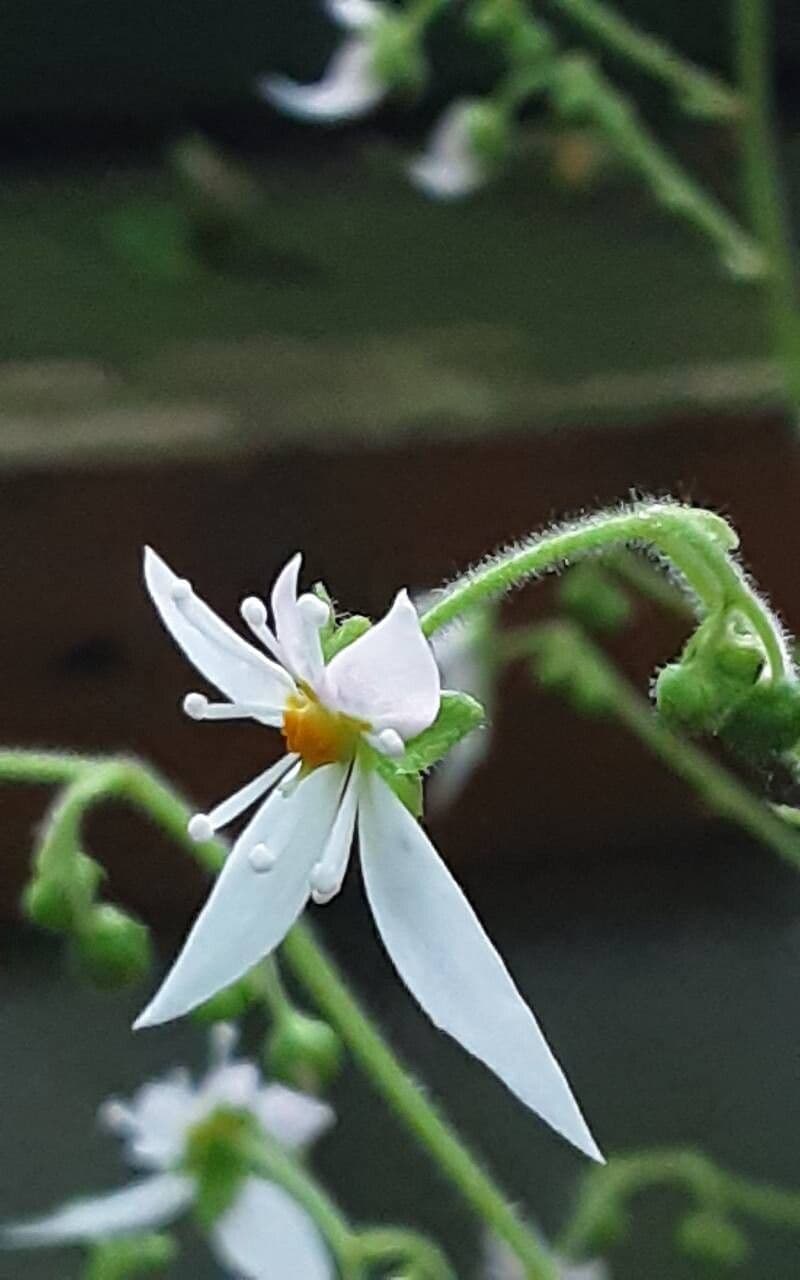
pixel 458 715
pixel 406 786
pixel 347 631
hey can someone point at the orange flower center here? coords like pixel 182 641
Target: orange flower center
pixel 317 735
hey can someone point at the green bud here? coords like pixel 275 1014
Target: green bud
pixel 494 19
pixel 304 1052
pixel 397 58
pixel 766 721
pixel 489 132
pixel 112 947
pixel 593 596
pixel 684 698
pixel 713 1238
pixel 227 1005
pixel 218 1156
pixel 55 901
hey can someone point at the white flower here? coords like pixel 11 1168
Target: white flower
pixel 459 653
pixel 264 1233
pixel 500 1264
pixel 350 86
pixel 451 166
pixel 381 690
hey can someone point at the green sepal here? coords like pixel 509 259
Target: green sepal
pixel 130 1256
pixel 406 786
pixel 344 634
pixel 459 714
pixel 218 1156
pixel 326 631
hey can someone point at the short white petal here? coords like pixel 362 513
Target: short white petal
pixel 223 657
pixel 355 15
pixel 294 1119
pixel 161 1114
pixel 248 914
pixel 150 1203
pixel 449 964
pixel 349 87
pixel 388 676
pixel 266 1235
pixel 233 1084
pixel 297 637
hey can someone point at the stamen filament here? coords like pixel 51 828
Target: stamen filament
pixel 203 826
pixel 328 874
pixel 254 613
pixel 198 707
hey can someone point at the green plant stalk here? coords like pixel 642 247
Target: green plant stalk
pixel 692 84
pixel 133 782
pixel 721 790
pixel 689 1171
pixel 391 1244
pixel 270 1160
pixel 763 186
pixel 675 532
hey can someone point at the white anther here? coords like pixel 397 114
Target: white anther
pixel 325 879
pixel 182 591
pixel 322 899
pixel 195 706
pixel 389 743
pixel 262 858
pixel 115 1116
pixel 200 828
pixel 314 611
pixel 254 612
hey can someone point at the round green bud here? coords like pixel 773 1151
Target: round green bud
pixel 766 721
pixel 592 596
pixel 112 947
pixel 713 1238
pixel 684 699
pixel 227 1005
pixel 489 132
pixel 397 59
pixel 52 901
pixel 303 1051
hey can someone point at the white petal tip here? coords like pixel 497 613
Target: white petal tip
pixel 254 612
pixel 200 828
pixel 314 610
pixel 262 858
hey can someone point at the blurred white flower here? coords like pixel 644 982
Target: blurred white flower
pixel 264 1232
pixel 372 697
pixel 450 166
pixel 351 86
pixel 500 1264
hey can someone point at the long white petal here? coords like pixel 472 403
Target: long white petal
pixel 294 1119
pixel 267 1236
pixel 223 657
pixel 349 87
pixel 150 1203
pixel 448 963
pixel 248 913
pixel 449 167
pixel 388 676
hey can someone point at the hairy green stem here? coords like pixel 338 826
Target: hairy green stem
pixel 695 542
pixel 698 91
pixel 763 185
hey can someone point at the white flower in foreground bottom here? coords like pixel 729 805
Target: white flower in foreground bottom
pixel 263 1233
pixel 373 696
pixel 500 1264
pixel 350 86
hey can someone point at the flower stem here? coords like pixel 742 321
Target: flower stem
pixel 763 186
pixel 696 542
pixel 698 91
pixel 317 973
pixel 422 1259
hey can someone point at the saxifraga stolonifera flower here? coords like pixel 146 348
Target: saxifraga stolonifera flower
pixel 337 720
pixel 173 1131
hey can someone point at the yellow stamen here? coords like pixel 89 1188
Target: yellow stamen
pixel 317 735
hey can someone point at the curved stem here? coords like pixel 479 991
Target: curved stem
pixel 696 542
pixel 392 1244
pixel 763 186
